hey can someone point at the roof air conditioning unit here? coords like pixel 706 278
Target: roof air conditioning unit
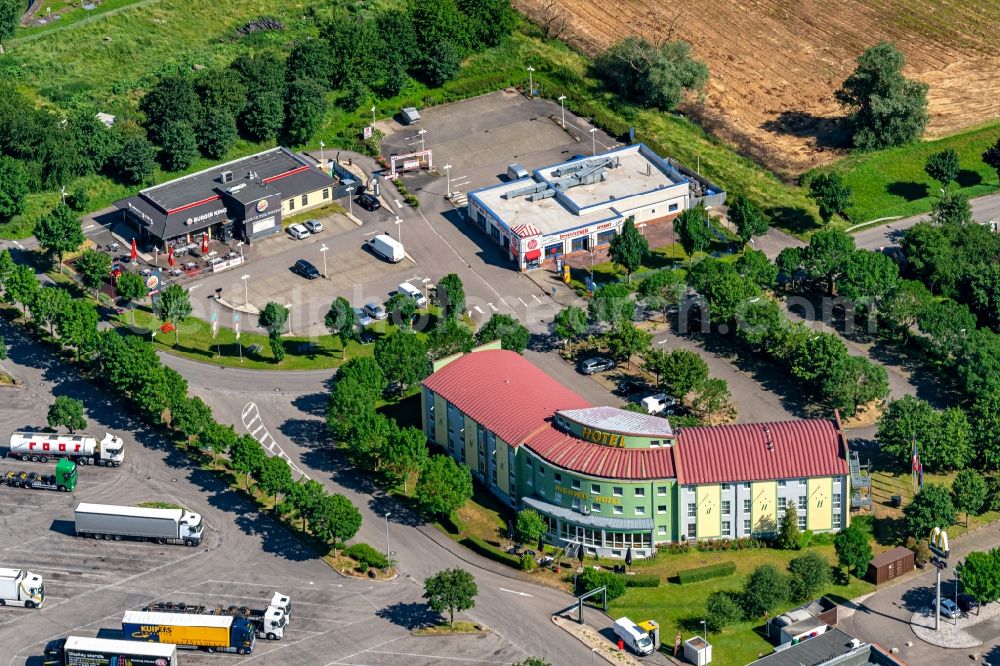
pixel 227 176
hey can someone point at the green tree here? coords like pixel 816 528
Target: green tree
pixel 451 296
pixel 723 287
pixel 513 335
pixel 367 372
pixel 854 550
pixel 969 493
pixel 94 267
pixel 131 288
pixel 59 232
pixel 885 108
pixel 133 162
pixel 403 357
pixel 979 369
pixel 612 303
pixel 449 337
pixel 901 422
pixel 13 177
pixel 175 306
pixel 275 477
pixel 789 261
pixel 217 438
pixel 78 199
pixel 682 371
pixel 662 290
pixel 984 423
pixel 655 76
pixel 827 256
pixel 627 340
pixel 342 322
pixel 67 412
pixel 764 590
pixel 178 145
pixel 711 398
pixel 980 574
pixel 21 286
pixel 759 320
pixel 220 92
pixel 629 248
pixel 441 62
pixel 809 574
pixel 754 266
pixel 693 231
pixel 304 496
pixel 309 59
pixel 591 579
pixel 217 133
pixel 831 195
pixel 946 325
pixel 443 487
pixel 869 277
pixel 991 157
pixel 722 610
pixel 401 308
pixel 10 16
pixel 247 457
pixel 449 591
pixel 404 453
pixel 854 381
pixel 48 304
pixel 335 519
pixel 943 166
pixel 172 99
pixel 532 661
pixel 901 307
pixel 367 437
pixel 305 106
pixel 349 401
pixel 488 21
pixel 570 323
pixel 190 417
pixel 273 317
pixel 931 507
pixel 260 71
pixel 263 116
pixel 749 219
pixel 7 266
pixel 788 531
pixel 531 526
pixel 812 359
pixel 77 326
pixel 952 209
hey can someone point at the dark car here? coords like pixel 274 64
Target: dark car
pixel 967 603
pixel 305 269
pixel 596 364
pixel 368 201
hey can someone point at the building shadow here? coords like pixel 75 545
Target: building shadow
pixel 489 252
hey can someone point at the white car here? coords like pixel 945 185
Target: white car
pixel 658 403
pixel 949 609
pixel 314 226
pixel 298 232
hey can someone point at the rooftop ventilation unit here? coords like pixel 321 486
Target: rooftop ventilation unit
pixel 226 177
pixel 236 188
pixel 522 191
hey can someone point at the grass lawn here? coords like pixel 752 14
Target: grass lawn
pixel 460 627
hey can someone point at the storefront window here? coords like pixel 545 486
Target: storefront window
pixel 553 251
pixel 605 237
pixel 579 244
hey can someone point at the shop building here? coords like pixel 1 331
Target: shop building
pixel 243 199
pixel 609 479
pixel 580 205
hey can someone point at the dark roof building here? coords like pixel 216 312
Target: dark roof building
pixel 833 648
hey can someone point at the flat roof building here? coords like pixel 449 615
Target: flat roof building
pixel 832 648
pixel 244 199
pixel 581 204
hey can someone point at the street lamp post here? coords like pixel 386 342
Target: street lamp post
pixel 531 81
pixel 321 146
pixel 323 249
pixel 373 117
pixel 399 229
pixel 387 551
pixel 246 290
pixel 422 132
pixel 447 170
pixel 562 105
pixel 152 336
pixel 593 140
pixel 704 630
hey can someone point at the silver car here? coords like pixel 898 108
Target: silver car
pixel 314 226
pixel 298 232
pixel 361 318
pixel 376 311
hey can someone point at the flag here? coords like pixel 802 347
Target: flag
pixel 920 476
pixel 135 252
pixel 915 461
pixel 204 242
pixel 170 256
pixel 237 329
pixel 215 324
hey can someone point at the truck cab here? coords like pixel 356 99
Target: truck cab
pixel 19 587
pixel 191 527
pixel 633 636
pixel 272 626
pixel 112 450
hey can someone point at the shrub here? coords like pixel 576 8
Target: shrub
pixel 365 554
pixel 805 539
pixel 527 562
pixel 591 579
pixel 677 548
pixel 723 610
pixel 642 580
pixel 363 567
pixel 698 574
pixel 716 545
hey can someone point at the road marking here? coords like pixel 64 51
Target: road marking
pixel 18 245
pixel 536 298
pixel 492 307
pixel 251 408
pixel 520 594
pixel 438 656
pixel 522 301
pixel 391 640
pixel 477 309
pixel 89 226
pixel 399 203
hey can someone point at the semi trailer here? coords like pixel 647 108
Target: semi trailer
pixel 212 633
pixel 269 622
pixel 63 480
pixel 81 651
pixel 82 449
pixel 21 588
pixel 108 521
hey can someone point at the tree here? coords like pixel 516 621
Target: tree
pixel 980 574
pixel 931 507
pixel 341 321
pixel 969 493
pixel 59 232
pixel 591 579
pixel 712 397
pixel 789 261
pixel 451 296
pixel 513 335
pixel 178 145
pixel 175 306
pixel 943 166
pixel 217 133
pixel 952 209
pixel 449 337
pixel 854 551
pixel 885 108
pixel 133 162
pixel 788 532
pixel 305 106
pixel 693 230
pixel 403 357
pixel 655 76
pixel 441 62
pixel 130 287
pixel 748 218
pixel 220 92
pixel 449 591
pixel 629 248
pixel 275 477
pixel 444 486
pixel 722 610
pixel 78 199
pixel 159 392
pixel 901 422
pixel 21 286
pixel 758 321
pixel 627 340
pixel 532 661
pixel 367 373
pixel 811 358
pixel 404 453
pixel 854 381
pixel 7 266
pixel 530 526
pixel 190 417
pixel 682 371
pixel 48 304
pixel 335 519
pixel 979 368
pixel 349 401
pixel 13 177
pixel 764 590
pixel 831 195
pixel 488 21
pixel 662 289
pixel 304 496
pixel 569 323
pixel 946 324
pixel 827 256
pixel 309 59
pixel 869 277
pixel 172 99
pixel 991 157
pixel 367 437
pixel 10 16
pixel 808 575
pixel 77 325
pixel 261 71
pixel 612 303
pixel 247 457
pixel 218 439
pixel 68 413
pixel 94 267
pixel 723 287
pixel 901 307
pixel 984 422
pixel 401 308
pixel 273 318
pixel 755 266
pixel 263 116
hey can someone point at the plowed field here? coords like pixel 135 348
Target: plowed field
pixel 775 63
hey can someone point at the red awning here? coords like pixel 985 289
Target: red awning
pixel 531 255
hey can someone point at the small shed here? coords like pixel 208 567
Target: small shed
pixel 890 564
pixel 698 651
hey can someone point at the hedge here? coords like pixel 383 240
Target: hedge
pixel 642 580
pixel 704 573
pixel 365 554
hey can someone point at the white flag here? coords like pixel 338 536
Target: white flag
pixel 237 330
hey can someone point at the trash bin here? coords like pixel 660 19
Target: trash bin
pixel 896 501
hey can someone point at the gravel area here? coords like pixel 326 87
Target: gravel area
pixel 951 634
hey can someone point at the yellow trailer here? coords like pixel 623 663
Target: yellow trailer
pixel 214 633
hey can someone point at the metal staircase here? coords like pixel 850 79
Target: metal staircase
pixel 861 483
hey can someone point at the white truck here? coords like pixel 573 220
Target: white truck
pixel 269 622
pixel 407 289
pixel 387 247
pixel 633 636
pixel 83 449
pixel 83 651
pixel 21 588
pixel 108 521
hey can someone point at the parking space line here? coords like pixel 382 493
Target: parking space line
pixel 536 298
pixel 44 536
pixel 391 640
pixel 283 587
pixel 477 309
pixel 493 307
pixel 522 301
pixel 438 656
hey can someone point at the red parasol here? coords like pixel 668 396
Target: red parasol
pixel 204 242
pixel 170 256
pixel 135 252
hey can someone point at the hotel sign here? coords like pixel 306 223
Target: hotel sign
pixel 579 494
pixel 603 438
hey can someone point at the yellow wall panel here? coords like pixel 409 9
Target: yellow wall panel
pixel 763 515
pixel 503 471
pixel 820 503
pixel 709 508
pixel 471 452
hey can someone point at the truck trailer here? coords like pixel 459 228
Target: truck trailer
pixel 82 449
pixel 63 480
pixel 212 633
pixel 21 588
pixel 269 622
pixel 81 651
pixel 108 521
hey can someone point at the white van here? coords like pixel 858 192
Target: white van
pixel 387 247
pixel 635 638
pixel 408 289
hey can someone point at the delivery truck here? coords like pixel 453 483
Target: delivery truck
pixel 633 636
pixel 268 622
pixel 387 247
pixel 63 480
pixel 82 449
pixel 82 651
pixel 212 633
pixel 108 521
pixel 21 588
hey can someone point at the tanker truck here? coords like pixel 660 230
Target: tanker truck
pixel 108 521
pixel 212 633
pixel 82 449
pixel 21 588
pixel 269 622
pixel 64 479
pixel 81 651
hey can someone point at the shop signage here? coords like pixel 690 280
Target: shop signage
pixel 604 438
pixel 262 205
pixel 586 230
pixel 206 216
pixel 141 215
pixel 533 244
pixel 579 494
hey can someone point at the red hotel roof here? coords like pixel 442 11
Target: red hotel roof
pixel 569 452
pixel 760 451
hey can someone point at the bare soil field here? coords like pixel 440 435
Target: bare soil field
pixel 775 64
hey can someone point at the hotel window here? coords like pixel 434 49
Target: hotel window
pixel 692 510
pixel 558 477
pixel 726 507
pixel 576 484
pixel 305 199
pixel 640 511
pixel 746 484
pixel 617 491
pixel 326 192
pixel 692 531
pixel 746 526
pixel 802 503
pixel 781 483
pixel 836 520
pixel 655 443
pixel 595 488
pixel 291 204
pixel 662 508
pixel 640 492
pixel 661 491
pixel 595 507
pixel 802 522
pixel 618 510
pixel 727 528
pixel 662 529
pixel 746 506
pixel 836 501
pixel 673 207
pixel 725 487
pixel 802 482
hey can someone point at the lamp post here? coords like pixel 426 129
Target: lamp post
pixel 958 577
pixel 422 132
pixel 399 229
pixel 321 146
pixel 704 630
pixel 447 170
pixel 387 551
pixel 593 140
pixel 373 117
pixel 531 81
pixel 562 105
pixel 152 336
pixel 323 249
pixel 246 290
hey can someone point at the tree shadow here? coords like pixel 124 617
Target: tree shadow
pixel 274 538
pixel 409 615
pixel 793 218
pixel 826 132
pixel 968 178
pixel 305 430
pixel 919 598
pixel 401 510
pixel 313 404
pixel 909 190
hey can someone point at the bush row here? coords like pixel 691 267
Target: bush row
pixel 642 580
pixel 698 574
pixel 742 543
pixel 365 554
